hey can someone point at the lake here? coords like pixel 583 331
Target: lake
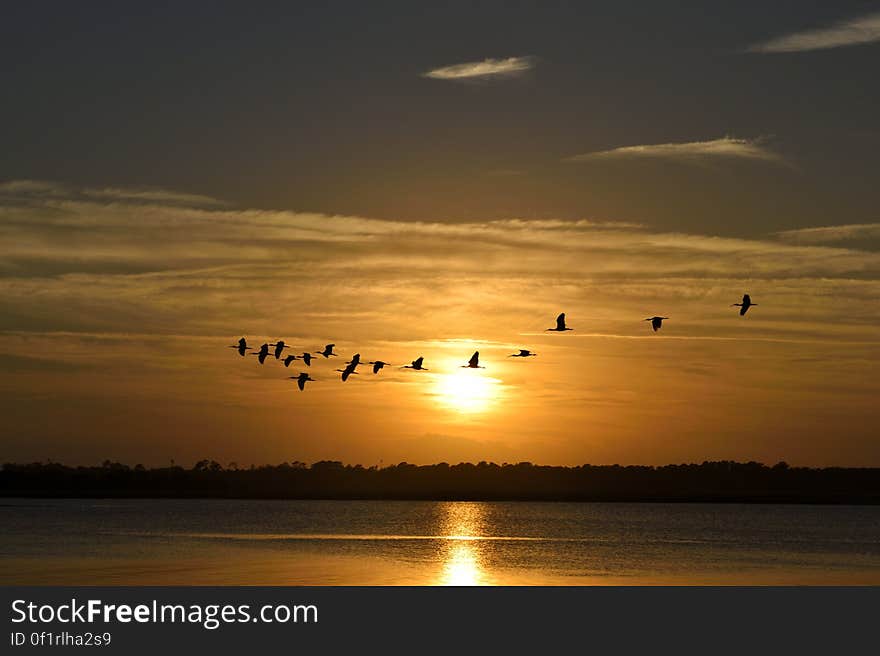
pixel 230 542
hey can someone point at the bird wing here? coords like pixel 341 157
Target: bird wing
pixel 301 382
pixel 376 368
pixel 560 321
pixel 524 352
pixel 418 362
pixel 746 299
pixel 475 359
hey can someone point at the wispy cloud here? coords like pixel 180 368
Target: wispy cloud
pixel 725 147
pixel 829 234
pixel 39 190
pixel 483 69
pixel 79 234
pixel 80 264
pixel 853 32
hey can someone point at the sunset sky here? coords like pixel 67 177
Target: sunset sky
pixel 406 181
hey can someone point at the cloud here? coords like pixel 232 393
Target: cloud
pixel 30 190
pixel 853 32
pixel 487 68
pixel 79 264
pixel 725 147
pixel 128 234
pixel 829 234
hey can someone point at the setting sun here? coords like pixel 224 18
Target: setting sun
pixel 467 391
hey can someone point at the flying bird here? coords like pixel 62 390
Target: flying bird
pixel 301 380
pixel 523 353
pixel 560 324
pixel 328 351
pixel 307 358
pixel 241 347
pixel 263 353
pixel 416 364
pixel 745 305
pixel 279 346
pixel 348 371
pixel 377 365
pixel 288 360
pixel 474 362
pixel 656 322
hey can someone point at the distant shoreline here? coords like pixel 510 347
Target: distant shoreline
pixel 708 482
pixel 780 501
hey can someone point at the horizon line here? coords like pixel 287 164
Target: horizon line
pixel 297 464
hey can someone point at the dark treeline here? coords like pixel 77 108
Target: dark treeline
pixel 710 481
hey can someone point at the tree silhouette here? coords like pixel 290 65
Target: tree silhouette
pixel 719 481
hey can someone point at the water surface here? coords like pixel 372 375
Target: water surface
pixel 255 542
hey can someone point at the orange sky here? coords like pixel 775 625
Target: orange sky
pixel 118 306
pixel 424 180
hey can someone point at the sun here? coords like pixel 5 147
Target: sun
pixel 467 391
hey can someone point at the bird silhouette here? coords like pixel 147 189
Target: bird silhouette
pixel 279 346
pixel 307 358
pixel 348 371
pixel 377 365
pixel 288 360
pixel 262 353
pixel 241 347
pixel 523 353
pixel 560 324
pixel 474 362
pixel 301 380
pixel 416 364
pixel 355 360
pixel 745 305
pixel 328 351
pixel 656 322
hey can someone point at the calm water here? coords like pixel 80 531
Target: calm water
pixel 205 542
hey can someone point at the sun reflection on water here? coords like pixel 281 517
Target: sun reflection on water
pixel 461 525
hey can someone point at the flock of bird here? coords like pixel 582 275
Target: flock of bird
pixel 418 364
